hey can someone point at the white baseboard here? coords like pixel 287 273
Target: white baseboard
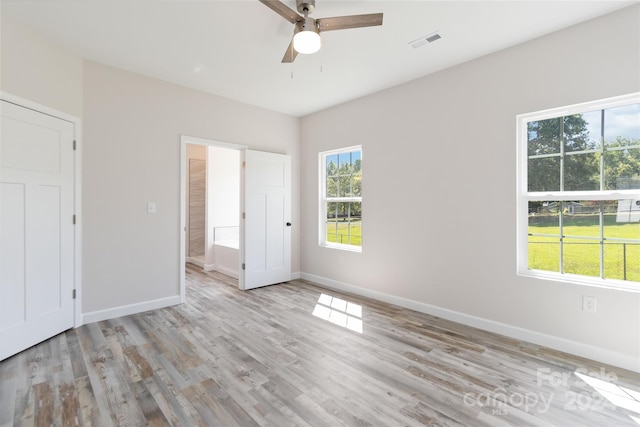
pixel 224 270
pixel 195 261
pixel 125 310
pixel 295 275
pixel 598 354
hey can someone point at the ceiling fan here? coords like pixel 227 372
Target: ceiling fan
pixel 306 31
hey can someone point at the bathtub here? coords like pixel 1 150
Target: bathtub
pixel 226 251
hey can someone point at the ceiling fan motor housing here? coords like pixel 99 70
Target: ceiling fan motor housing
pixel 309 24
pixel 310 5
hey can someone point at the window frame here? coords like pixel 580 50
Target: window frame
pixel 324 200
pixel 524 196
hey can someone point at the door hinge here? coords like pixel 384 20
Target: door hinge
pixel 244 164
pixel 244 266
pixel 74 220
pixel 74 294
pixel 74 145
pixel 244 215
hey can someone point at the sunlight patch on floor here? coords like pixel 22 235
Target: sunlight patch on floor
pixel 339 312
pixel 619 396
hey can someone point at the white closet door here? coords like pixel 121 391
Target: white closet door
pixel 36 227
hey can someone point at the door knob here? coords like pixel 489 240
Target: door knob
pixel 288 224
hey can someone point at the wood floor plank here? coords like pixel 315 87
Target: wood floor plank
pixel 75 354
pixel 175 406
pixel 67 407
pixel 90 411
pixel 208 408
pixel 262 358
pixel 25 396
pixel 149 407
pixel 44 401
pixel 8 388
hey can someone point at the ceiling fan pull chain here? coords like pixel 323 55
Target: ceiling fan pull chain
pixel 292 63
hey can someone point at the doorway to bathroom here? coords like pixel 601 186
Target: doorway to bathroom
pixel 212 235
pixel 235 214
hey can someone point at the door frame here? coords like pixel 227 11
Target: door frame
pixel 77 191
pixel 184 140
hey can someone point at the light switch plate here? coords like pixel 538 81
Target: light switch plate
pixel 151 207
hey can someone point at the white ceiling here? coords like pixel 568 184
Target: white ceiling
pixel 234 48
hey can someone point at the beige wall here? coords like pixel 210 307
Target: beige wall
pixel 38 70
pixel 132 128
pixel 439 188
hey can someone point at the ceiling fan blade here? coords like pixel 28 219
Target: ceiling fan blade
pixel 290 54
pixel 351 21
pixel 282 10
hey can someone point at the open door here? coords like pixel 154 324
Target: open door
pixel 266 230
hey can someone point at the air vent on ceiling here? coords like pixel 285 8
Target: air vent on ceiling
pixel 433 37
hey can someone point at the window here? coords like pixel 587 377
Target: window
pixel 341 198
pixel 579 193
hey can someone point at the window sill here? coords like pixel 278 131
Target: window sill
pixel 348 248
pixel 618 285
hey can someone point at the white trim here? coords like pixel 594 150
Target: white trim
pixel 618 285
pixel 223 270
pixel 184 140
pixel 195 261
pixel 38 107
pixel 78 318
pixel 77 176
pixel 213 267
pixel 183 214
pixel 211 142
pixel 126 310
pixel 602 355
pixel 601 104
pixel 342 247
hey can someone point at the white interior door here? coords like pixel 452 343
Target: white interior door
pixel 36 227
pixel 267 219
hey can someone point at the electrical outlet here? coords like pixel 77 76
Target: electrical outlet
pixel 589 304
pixel 151 207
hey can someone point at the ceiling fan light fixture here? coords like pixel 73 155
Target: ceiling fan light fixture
pixel 308 40
pixel 306 31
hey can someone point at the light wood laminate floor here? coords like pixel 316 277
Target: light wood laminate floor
pixel 268 357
